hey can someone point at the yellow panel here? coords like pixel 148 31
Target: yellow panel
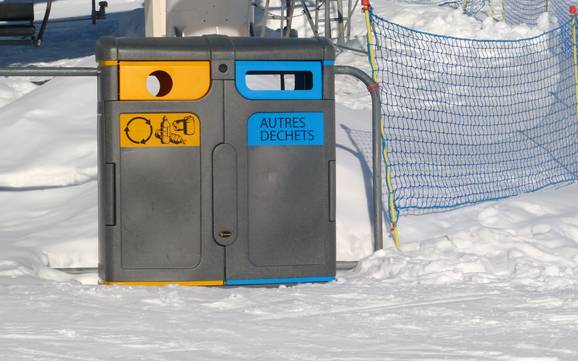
pixel 178 80
pixel 166 283
pixel 160 130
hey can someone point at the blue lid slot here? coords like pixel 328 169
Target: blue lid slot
pixel 279 80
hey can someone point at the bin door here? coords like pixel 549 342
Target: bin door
pixel 160 123
pixel 285 151
pixel 161 190
pixel 161 229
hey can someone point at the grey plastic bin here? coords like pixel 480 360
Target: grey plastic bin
pixel 209 179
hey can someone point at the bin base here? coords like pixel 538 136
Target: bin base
pixel 268 281
pixel 165 283
pixel 264 281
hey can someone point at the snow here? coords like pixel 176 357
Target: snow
pixel 496 281
pixel 322 322
pixel 37 164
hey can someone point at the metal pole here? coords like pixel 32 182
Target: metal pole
pixel 282 18
pixel 265 18
pixel 349 16
pixel 93 14
pixel 373 88
pixel 348 25
pixel 309 19
pixel 340 25
pixel 328 19
pixel 290 11
pixel 40 36
pixel 317 15
pixel 48 71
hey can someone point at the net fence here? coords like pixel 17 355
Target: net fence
pixel 514 12
pixel 470 7
pixel 529 11
pixel 467 121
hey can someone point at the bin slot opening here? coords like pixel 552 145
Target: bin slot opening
pixel 280 80
pixel 159 83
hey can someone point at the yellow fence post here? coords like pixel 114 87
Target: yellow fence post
pixel 574 52
pixel 366 6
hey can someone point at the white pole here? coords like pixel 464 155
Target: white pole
pixel 156 18
pixel 200 17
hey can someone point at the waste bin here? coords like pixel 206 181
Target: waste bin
pixel 216 161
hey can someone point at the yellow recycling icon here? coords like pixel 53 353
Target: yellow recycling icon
pixel 170 132
pixel 159 130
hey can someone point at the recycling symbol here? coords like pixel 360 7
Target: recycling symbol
pixel 139 130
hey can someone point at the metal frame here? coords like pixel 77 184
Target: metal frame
pixel 372 87
pixel 376 149
pixel 48 71
pixel 319 15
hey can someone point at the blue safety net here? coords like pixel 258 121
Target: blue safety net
pixel 513 12
pixel 528 11
pixel 466 121
pixel 559 9
pixel 522 11
pixel 470 7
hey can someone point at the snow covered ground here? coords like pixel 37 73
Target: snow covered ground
pixel 497 281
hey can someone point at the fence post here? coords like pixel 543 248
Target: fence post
pixel 574 52
pixel 392 211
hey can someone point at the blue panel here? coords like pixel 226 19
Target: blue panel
pixel 243 67
pixel 268 281
pixel 328 62
pixel 285 129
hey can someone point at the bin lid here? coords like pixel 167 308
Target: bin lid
pixel 214 47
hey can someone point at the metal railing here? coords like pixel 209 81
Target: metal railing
pixel 372 87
